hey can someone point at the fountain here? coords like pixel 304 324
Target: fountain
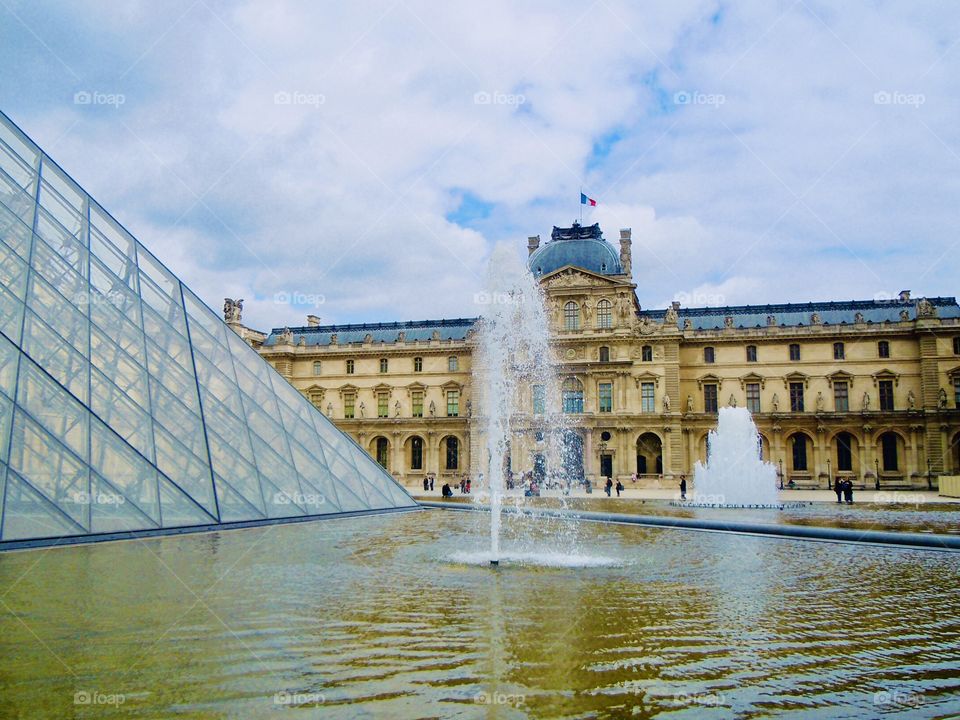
pixel 735 474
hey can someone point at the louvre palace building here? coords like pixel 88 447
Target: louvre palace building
pixel 868 390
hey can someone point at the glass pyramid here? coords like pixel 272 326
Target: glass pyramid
pixel 126 404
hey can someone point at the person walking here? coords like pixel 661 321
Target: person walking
pixel 619 488
pixel 468 486
pixel 426 485
pixel 608 486
pixel 431 483
pixel 848 491
pixel 838 489
pixel 683 487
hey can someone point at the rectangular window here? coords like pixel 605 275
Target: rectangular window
pixel 647 399
pixel 452 363
pixel 794 351
pixel 956 346
pixel 883 349
pixel 317 367
pixel 418 364
pixel 751 353
pixel 539 400
pixel 841 397
pixel 349 367
pixel 606 397
pixel 383 404
pixel 453 403
pixel 604 354
pixel 796 397
pixel 709 355
pixel 348 406
pixel 956 392
pixel 753 397
pixel 710 398
pixel 384 363
pixel 886 394
pixel 416 402
pixel 838 351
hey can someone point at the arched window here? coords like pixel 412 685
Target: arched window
pixel 800 452
pixel 883 349
pixel 382 448
pixel 416 454
pixel 452 363
pixel 571 316
pixel 709 355
pixel 572 396
pixel 418 364
pixel 604 354
pixel 888 449
pixel 453 453
pixel 838 351
pixel 845 452
pixel 646 353
pixel 751 353
pixel 317 366
pixel 604 314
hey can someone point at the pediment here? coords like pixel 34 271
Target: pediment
pixel 647 377
pixel 710 378
pixel 796 377
pixel 752 377
pixel 886 374
pixel 570 276
pixel 840 376
pixel 348 389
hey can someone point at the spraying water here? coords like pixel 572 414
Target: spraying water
pixel 518 379
pixel 735 474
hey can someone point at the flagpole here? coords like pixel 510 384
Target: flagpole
pixel 581 204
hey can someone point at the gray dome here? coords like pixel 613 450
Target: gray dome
pixel 582 247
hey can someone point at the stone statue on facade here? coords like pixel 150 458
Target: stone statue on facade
pixel 623 307
pixel 363 409
pixel 587 313
pixel 689 403
pixel 401 337
pixel 771 320
pixel 469 408
pixel 865 404
pixel 396 409
pixel 433 409
pixel 728 321
pixel 821 403
pixel 942 399
pixel 911 401
pixel 334 339
pixel 435 335
pixel 904 315
pixel 858 318
pixel 286 337
pixel 329 409
pixel 687 324
pixel 232 310
pixel 775 403
pixel 925 308
pixel 368 338
pixel 732 402
pixel 815 319
pixel 666 404
pixel 671 316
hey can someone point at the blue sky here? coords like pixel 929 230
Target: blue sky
pixel 367 157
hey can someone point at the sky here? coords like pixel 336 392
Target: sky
pixel 360 161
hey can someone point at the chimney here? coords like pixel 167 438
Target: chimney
pixel 904 296
pixel 313 321
pixel 625 256
pixel 533 242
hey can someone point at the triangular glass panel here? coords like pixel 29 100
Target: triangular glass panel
pixel 178 510
pixel 110 511
pixel 28 514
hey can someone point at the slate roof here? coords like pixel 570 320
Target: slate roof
pixel 422 330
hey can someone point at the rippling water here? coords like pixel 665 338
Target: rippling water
pixel 377 618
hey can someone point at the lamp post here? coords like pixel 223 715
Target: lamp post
pixel 929 478
pixel 876 464
pixel 780 461
pixel 829 474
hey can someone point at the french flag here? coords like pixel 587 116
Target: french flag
pixel 584 200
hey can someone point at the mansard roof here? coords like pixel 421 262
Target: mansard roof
pixel 422 330
pixel 797 314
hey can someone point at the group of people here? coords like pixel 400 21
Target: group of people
pixel 609 486
pixel 844 488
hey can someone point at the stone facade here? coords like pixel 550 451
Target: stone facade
pixel 853 389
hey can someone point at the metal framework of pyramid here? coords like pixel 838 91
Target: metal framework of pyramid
pixel 126 404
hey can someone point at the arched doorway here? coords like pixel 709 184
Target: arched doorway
pixel 892 455
pixel 450 453
pixel 846 453
pixel 649 454
pixel 415 455
pixel 381 451
pixel 799 454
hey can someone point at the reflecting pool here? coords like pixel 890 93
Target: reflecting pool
pixel 385 617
